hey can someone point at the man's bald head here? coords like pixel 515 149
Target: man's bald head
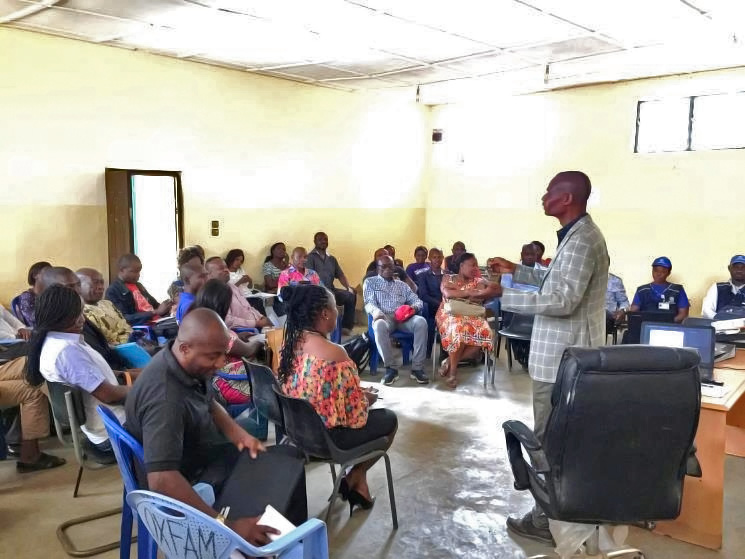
pixel 566 196
pixel 59 275
pixel 201 343
pixel 386 267
pixel 575 183
pixel 91 285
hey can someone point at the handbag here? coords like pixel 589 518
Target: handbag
pixel 461 307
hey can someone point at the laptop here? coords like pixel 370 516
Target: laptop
pixel 635 319
pixel 700 338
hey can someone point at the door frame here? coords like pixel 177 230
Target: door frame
pixel 126 227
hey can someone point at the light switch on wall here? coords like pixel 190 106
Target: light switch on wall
pixel 215 228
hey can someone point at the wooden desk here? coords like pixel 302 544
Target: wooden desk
pixel 721 429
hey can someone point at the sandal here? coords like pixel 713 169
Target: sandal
pixel 451 381
pixel 444 367
pixel 45 462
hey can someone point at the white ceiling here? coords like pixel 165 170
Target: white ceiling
pixel 442 46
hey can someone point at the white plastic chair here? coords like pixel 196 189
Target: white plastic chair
pixel 181 531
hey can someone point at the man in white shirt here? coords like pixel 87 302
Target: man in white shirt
pixel 11 327
pixel 727 297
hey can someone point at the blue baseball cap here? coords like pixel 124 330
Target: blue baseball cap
pixel 663 261
pixel 737 259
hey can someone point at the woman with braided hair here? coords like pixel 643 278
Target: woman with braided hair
pixel 315 369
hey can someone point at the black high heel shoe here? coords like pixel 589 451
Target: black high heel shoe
pixel 344 489
pixel 357 500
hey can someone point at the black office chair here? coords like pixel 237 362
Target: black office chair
pixel 516 327
pixel 619 439
pixel 307 431
pixel 263 382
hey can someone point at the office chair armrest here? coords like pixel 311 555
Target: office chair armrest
pixel 519 436
pixel 523 433
pixel 693 467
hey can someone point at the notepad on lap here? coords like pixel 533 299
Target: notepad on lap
pixel 274 519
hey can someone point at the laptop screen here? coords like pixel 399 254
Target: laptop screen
pixel 700 338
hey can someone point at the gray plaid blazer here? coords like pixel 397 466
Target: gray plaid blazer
pixel 569 308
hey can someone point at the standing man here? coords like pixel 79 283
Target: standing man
pixel 327 267
pixel 569 307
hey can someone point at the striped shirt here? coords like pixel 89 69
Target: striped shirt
pixel 387 296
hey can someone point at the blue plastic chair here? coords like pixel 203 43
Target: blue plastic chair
pixel 184 532
pixel 404 338
pixel 133 355
pixel 128 451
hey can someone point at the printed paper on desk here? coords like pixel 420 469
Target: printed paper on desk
pixel 666 338
pixel 274 519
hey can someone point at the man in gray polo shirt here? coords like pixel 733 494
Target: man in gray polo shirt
pixel 183 431
pixel 327 267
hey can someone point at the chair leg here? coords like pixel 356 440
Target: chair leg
pixel 335 491
pixel 125 544
pixel 508 347
pixel 77 482
pixel 499 342
pixel 68 546
pixel 391 495
pixel 333 472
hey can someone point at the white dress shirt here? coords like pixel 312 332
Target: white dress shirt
pixel 66 358
pixel 9 324
pixel 709 306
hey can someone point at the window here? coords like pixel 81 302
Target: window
pixel 691 123
pixel 662 125
pixel 718 122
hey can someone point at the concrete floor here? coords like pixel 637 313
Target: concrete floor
pixel 452 480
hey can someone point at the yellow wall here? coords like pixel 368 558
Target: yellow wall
pixel 497 158
pixel 274 160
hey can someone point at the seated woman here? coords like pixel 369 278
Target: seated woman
pixel 463 337
pixel 238 277
pixel 314 369
pixel 27 299
pixel 297 273
pixel 661 295
pixel 420 265
pixel 57 353
pixel 217 296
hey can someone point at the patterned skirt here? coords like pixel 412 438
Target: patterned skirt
pixel 458 331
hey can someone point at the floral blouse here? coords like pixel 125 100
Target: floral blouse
pixel 333 388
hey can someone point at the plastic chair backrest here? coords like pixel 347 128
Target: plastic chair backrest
pixel 126 448
pixel 133 355
pixel 68 410
pixel 304 426
pixel 264 398
pixel 183 532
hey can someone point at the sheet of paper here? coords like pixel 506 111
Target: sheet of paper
pixel 274 519
pixel 666 338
